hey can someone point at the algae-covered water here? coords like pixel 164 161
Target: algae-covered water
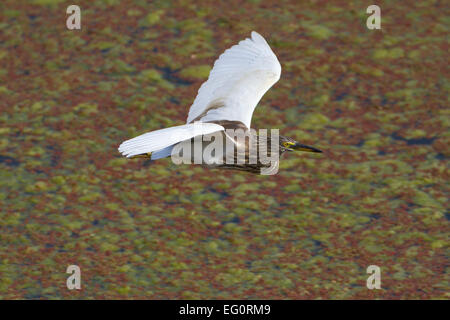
pixel 376 102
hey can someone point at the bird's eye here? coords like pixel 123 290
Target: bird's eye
pixel 287 144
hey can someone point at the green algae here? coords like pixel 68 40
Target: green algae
pixel 315 120
pixel 150 19
pixel 319 32
pixel 196 72
pixel 46 2
pixel 393 53
pixel 371 99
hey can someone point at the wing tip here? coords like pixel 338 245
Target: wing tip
pixel 256 37
pixel 126 151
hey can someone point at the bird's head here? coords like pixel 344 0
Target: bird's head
pixel 289 144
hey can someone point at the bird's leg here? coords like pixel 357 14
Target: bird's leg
pixel 143 155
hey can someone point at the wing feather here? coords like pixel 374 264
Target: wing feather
pixel 239 79
pixel 160 139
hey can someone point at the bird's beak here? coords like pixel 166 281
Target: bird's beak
pixel 301 147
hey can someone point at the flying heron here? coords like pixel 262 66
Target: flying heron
pixel 226 101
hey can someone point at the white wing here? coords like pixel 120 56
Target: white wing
pixel 160 139
pixel 163 153
pixel 237 82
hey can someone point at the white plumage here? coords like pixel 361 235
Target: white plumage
pixel 160 139
pixel 238 80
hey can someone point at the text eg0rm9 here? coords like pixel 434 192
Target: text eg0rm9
pixel 246 309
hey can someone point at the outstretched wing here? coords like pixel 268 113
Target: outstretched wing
pixel 156 141
pixel 237 82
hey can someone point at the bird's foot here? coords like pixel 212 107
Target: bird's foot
pixel 143 155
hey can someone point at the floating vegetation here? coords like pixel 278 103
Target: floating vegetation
pixel 376 101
